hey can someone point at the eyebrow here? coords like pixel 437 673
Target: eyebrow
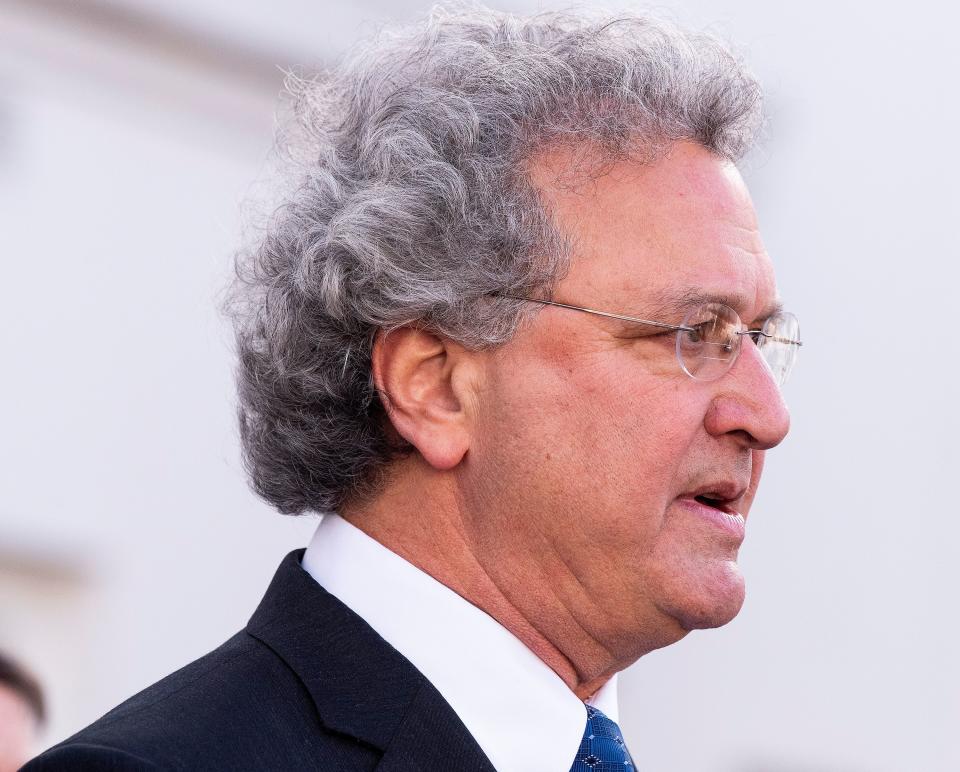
pixel 677 303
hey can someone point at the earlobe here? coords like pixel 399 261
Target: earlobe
pixel 417 375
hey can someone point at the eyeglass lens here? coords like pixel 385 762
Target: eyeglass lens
pixel 779 344
pixel 710 346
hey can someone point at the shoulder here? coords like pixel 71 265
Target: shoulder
pixel 89 757
pixel 238 707
pixel 307 685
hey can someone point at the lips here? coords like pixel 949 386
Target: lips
pixel 723 495
pixel 718 503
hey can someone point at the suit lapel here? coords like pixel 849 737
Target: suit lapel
pixel 427 739
pixel 362 687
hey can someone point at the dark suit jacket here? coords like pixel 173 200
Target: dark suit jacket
pixel 308 685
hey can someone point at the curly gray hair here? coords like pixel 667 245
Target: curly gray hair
pixel 411 206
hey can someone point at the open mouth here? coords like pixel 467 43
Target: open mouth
pixel 719 504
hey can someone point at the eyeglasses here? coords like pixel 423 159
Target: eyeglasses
pixel 710 337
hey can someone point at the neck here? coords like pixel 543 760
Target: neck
pixel 426 525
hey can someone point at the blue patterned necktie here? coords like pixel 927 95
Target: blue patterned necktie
pixel 602 748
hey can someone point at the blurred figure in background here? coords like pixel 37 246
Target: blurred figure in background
pixel 21 714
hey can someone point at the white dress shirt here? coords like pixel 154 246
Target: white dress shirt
pixel 519 711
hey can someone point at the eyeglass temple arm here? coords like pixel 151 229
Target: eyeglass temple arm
pixel 623 317
pixel 607 314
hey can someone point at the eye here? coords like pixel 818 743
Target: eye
pixel 702 332
pixel 709 331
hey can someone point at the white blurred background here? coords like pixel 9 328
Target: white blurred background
pixel 131 132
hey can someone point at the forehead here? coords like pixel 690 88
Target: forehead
pixel 649 237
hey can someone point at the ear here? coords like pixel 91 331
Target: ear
pixel 426 384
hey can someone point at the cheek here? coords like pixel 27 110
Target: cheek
pixel 639 434
pixel 590 438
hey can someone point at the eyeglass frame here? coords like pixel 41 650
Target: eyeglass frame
pixel 754 334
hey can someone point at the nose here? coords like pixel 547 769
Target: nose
pixel 748 404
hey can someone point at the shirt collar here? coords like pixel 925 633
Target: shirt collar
pixel 522 715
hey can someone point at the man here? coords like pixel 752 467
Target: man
pixel 21 714
pixel 514 325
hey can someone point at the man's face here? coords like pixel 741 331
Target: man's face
pixel 593 443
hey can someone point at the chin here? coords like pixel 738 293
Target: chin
pixel 710 599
